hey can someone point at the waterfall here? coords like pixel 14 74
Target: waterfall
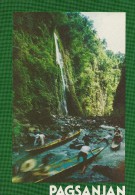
pixel 59 61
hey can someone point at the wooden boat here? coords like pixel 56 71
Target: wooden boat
pixel 116 142
pixel 115 145
pixel 54 143
pixel 55 170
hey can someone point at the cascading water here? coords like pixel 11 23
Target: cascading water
pixel 59 61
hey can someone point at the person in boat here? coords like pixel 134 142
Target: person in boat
pixel 85 149
pixel 33 137
pixel 36 141
pixel 39 139
pixel 107 138
pixel 42 139
pixel 116 130
pixel 86 138
pixel 117 135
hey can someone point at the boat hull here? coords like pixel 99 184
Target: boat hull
pixel 53 144
pixel 115 146
pixel 54 172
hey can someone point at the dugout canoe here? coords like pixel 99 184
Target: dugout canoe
pixel 54 143
pixel 115 145
pixel 53 171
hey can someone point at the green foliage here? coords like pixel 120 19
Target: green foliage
pixel 96 71
pixel 93 73
pixel 36 75
pixel 17 128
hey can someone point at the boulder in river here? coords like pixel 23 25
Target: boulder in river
pixel 115 174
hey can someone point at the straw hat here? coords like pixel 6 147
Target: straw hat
pixel 17 179
pixel 28 165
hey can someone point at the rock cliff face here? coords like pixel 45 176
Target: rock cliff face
pixel 85 84
pixel 119 100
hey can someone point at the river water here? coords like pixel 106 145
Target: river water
pixel 107 166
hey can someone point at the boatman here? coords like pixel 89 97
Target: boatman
pixel 86 138
pixel 107 138
pixel 42 139
pixel 39 138
pixel 118 136
pixel 116 130
pixel 84 153
pixel 36 139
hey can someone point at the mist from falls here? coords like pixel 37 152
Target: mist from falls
pixel 60 62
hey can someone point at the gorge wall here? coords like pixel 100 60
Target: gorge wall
pixel 91 72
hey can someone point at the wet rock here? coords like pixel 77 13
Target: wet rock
pixel 115 174
pixel 96 177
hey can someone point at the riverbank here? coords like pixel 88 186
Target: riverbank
pixel 61 125
pixel 108 166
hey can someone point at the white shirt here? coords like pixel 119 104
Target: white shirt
pixel 36 138
pixel 85 149
pixel 42 137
